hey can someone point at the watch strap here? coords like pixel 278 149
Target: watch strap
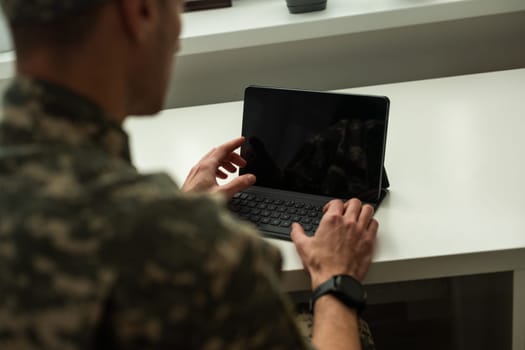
pixel 345 288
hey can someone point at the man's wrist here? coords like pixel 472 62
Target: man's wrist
pixel 328 303
pixel 318 280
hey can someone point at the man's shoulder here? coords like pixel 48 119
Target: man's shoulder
pixel 198 226
pixel 55 171
pixel 197 216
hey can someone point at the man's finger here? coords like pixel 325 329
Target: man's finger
pixel 238 184
pixel 224 150
pixel 367 212
pixel 332 216
pixel 372 228
pixel 221 174
pixel 229 167
pixel 370 234
pixel 335 206
pixel 237 160
pixel 353 209
pixel 298 237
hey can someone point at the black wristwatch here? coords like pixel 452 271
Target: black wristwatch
pixel 345 288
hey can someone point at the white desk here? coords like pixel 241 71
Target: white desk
pixel 455 159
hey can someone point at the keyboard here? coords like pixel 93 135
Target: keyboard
pixel 274 217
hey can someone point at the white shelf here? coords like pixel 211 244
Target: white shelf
pixel 259 22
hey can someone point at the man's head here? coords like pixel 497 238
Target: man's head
pixel 31 11
pixel 137 39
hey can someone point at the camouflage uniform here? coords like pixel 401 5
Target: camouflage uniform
pixel 95 255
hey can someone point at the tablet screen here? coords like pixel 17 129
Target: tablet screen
pixel 320 143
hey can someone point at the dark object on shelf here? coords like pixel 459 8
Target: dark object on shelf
pixel 194 5
pixel 300 6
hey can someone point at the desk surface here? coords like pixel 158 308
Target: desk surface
pixel 454 159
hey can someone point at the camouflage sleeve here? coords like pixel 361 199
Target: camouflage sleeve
pixel 305 321
pixel 191 277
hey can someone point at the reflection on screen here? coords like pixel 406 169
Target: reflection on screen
pixel 318 143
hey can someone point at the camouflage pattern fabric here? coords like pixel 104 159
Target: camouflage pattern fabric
pixel 94 255
pixel 305 321
pixel 17 11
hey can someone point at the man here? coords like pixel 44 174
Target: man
pixel 94 254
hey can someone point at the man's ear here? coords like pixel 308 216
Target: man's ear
pixel 138 17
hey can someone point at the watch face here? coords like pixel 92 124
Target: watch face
pixel 345 288
pixel 352 288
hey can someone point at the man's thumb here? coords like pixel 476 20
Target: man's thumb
pixel 298 235
pixel 238 184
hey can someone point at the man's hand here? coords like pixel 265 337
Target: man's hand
pixel 215 164
pixel 343 243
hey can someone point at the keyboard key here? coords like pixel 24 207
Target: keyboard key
pixel 275 216
pixel 286 224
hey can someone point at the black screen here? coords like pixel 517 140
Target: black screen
pixel 319 143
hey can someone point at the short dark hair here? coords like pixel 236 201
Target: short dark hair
pixel 61 33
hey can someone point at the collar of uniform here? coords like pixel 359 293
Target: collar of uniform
pixel 50 112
